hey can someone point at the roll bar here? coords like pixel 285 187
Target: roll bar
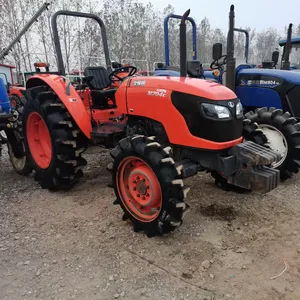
pixel 61 67
pixel 166 36
pixel 246 32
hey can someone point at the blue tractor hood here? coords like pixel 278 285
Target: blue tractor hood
pixel 292 77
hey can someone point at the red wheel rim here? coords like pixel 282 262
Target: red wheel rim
pixel 13 102
pixel 39 140
pixel 139 189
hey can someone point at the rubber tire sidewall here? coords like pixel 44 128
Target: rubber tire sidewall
pixel 35 106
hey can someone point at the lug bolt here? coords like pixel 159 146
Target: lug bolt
pixel 147 194
pixel 138 195
pixel 134 188
pixel 143 198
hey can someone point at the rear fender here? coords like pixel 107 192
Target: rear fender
pixel 72 102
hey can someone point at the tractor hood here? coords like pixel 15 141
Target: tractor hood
pixel 289 76
pixel 192 86
pixel 208 74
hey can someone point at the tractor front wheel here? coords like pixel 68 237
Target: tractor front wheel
pixel 282 134
pixel 147 185
pixel 53 140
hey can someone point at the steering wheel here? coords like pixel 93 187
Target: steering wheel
pixel 114 74
pixel 216 65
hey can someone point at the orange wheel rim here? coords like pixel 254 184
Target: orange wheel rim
pixel 13 103
pixel 39 140
pixel 139 189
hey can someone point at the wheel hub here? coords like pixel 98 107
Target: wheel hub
pixel 139 189
pixel 39 140
pixel 276 142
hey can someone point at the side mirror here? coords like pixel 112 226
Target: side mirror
pixel 275 57
pixel 217 51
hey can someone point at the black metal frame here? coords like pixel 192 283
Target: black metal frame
pixel 61 67
pixel 23 31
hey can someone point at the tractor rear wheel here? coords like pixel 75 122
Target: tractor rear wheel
pixel 147 185
pixel 282 133
pixel 53 140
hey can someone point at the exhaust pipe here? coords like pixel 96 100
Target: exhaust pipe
pixel 287 48
pixel 230 65
pixel 183 68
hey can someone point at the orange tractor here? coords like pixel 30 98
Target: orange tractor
pixel 161 131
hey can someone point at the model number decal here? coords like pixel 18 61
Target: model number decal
pixel 72 99
pixel 259 82
pixel 158 93
pixel 139 82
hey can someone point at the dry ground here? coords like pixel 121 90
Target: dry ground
pixel 74 245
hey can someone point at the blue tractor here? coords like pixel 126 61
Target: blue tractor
pixel 269 97
pixel 11 125
pixel 194 67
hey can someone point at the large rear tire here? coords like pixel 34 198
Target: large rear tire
pixel 53 140
pixel 282 134
pixel 147 185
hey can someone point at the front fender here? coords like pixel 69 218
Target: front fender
pixel 72 102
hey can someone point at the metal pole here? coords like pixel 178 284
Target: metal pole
pixel 230 64
pixel 23 31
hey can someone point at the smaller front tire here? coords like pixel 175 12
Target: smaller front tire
pixel 282 134
pixel 147 185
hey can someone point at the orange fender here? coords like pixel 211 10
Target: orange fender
pixel 72 102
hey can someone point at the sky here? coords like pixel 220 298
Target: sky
pixel 259 14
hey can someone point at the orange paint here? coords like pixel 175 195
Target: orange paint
pixel 72 102
pixel 145 101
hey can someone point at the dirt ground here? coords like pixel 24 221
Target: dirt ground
pixel 74 245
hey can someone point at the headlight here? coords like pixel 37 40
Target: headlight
pixel 215 111
pixel 239 109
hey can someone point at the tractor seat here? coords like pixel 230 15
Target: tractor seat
pixel 98 80
pixel 194 68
